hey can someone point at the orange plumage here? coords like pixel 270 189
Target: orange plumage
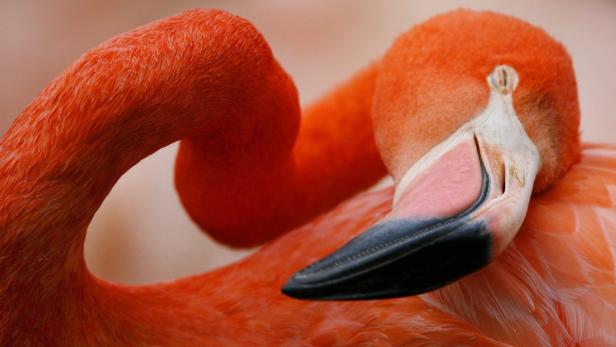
pixel 247 172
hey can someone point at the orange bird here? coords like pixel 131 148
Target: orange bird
pixel 471 114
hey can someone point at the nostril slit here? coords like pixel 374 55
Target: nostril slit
pixel 503 166
pixel 477 147
pixel 504 178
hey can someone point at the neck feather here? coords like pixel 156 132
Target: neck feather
pixel 196 75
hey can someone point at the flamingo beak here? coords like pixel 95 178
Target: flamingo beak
pixel 454 211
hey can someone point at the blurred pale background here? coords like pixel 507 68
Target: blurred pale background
pixel 141 234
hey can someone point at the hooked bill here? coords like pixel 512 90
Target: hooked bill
pixel 454 211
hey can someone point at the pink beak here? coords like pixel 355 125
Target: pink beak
pixel 454 211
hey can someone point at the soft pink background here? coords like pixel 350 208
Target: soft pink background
pixel 141 234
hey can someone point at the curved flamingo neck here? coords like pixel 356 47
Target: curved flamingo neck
pixel 202 75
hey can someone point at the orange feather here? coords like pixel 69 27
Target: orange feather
pixel 245 175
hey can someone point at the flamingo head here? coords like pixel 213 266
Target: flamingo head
pixel 473 113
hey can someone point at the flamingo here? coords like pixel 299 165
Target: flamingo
pixel 498 228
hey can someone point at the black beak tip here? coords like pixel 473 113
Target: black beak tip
pixel 294 290
pixel 302 285
pixel 364 269
pixel 291 289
